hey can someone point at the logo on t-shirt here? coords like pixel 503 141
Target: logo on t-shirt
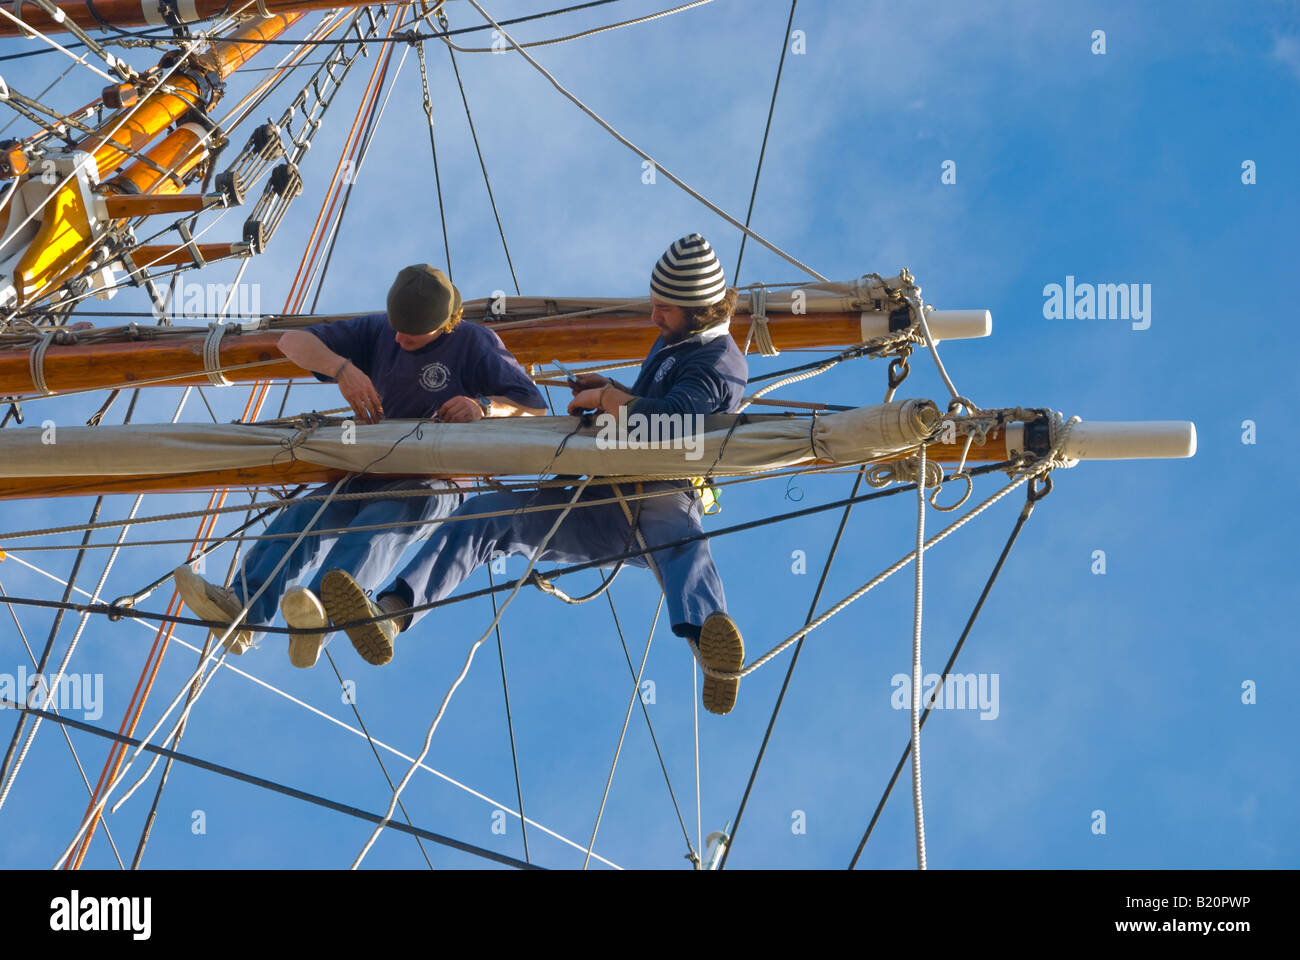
pixel 662 371
pixel 434 376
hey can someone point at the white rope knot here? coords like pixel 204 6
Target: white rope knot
pixel 904 471
pixel 212 355
pixel 36 364
pixel 759 333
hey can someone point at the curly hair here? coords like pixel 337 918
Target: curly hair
pixel 701 318
pixel 453 321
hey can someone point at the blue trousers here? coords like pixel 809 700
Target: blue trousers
pixel 369 555
pixel 692 588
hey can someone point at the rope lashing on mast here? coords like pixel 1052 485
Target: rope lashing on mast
pixel 759 334
pixel 212 355
pixel 36 364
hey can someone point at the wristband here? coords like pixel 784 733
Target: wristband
pixel 342 366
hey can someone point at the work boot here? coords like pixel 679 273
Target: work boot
pixel 305 615
pixel 345 602
pixel 213 603
pixel 721 648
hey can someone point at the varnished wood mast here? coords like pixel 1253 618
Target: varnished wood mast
pixel 586 340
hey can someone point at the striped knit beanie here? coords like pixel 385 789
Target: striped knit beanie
pixel 689 274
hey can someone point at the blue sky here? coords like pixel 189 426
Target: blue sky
pixel 1119 692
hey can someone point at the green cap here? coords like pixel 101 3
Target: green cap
pixel 421 300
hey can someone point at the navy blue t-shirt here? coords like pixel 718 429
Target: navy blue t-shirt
pixel 469 361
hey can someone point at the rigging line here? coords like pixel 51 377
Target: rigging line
pixel 297 293
pixel 691 855
pixel 380 494
pixel 252 409
pixel 269 785
pixel 359 152
pixel 490 801
pixel 433 146
pixel 59 47
pixel 588 33
pixel 510 724
pixel 150 818
pixel 645 156
pixel 132 614
pixel 918 808
pixel 52 83
pixel 428 739
pixel 695 702
pixel 144 684
pixel 120 775
pixel 952 659
pixel 6 770
pixel 785 685
pixel 878 579
pixel 54 709
pixel 157 35
pixel 72 646
pixel 762 151
pixel 627 717
pixel 352 702
pixel 442 19
pixel 329 22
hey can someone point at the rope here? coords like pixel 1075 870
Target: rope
pixel 490 801
pixel 905 471
pixel 212 355
pixel 785 685
pixel 867 587
pixel 510 725
pixel 110 610
pixel 762 152
pixel 947 669
pixel 627 717
pixel 76 759
pixel 917 807
pixel 36 364
pixel 759 333
pixel 672 795
pixel 645 156
pixel 487 182
pixel 588 33
pixel 428 739
pixel 97 808
pixel 145 745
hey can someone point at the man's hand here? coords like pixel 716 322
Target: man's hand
pixel 460 410
pixel 585 381
pixel 585 400
pixel 360 393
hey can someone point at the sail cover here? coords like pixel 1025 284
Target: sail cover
pixel 607 446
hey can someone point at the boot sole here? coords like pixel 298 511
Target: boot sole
pixel 346 601
pixel 193 590
pixel 721 648
pixel 305 615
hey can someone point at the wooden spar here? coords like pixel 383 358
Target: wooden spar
pixel 178 361
pixel 295 472
pixel 142 13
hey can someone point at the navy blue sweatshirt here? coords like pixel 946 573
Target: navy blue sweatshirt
pixel 705 373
